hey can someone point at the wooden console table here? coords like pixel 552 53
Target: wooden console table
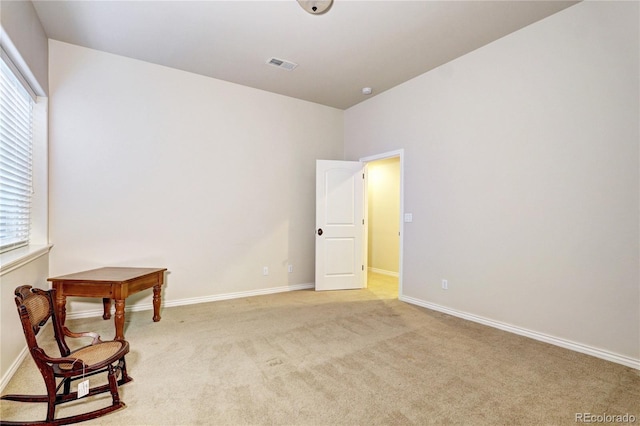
pixel 109 283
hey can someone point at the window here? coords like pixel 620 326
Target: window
pixel 16 168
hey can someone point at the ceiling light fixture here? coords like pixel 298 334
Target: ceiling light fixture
pixel 366 90
pixel 315 7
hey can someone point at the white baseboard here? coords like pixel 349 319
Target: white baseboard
pixel 383 272
pixel 563 343
pixel 13 368
pixel 238 295
pixel 195 300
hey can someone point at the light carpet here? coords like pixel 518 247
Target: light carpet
pixel 358 357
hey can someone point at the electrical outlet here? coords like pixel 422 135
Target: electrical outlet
pixel 290 268
pixel 265 270
pixel 445 285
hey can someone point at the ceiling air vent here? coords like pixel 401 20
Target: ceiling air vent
pixel 281 63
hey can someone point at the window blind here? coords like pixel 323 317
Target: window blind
pixel 16 147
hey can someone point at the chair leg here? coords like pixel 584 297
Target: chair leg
pixel 122 366
pixel 113 385
pixel 67 386
pixel 51 403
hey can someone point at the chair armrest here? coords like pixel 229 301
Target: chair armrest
pixel 94 336
pixel 43 356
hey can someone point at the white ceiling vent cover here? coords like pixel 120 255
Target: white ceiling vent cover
pixel 281 63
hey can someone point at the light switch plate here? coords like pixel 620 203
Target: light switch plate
pixel 408 217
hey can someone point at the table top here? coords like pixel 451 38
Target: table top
pixel 108 274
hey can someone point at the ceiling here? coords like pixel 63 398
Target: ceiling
pixel 356 44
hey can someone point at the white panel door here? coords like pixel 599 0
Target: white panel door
pixel 339 225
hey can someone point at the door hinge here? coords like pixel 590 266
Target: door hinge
pixel 363 267
pixel 363 221
pixel 363 176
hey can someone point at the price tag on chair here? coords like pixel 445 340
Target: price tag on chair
pixel 83 388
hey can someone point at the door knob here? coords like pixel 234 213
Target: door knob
pixel 319 231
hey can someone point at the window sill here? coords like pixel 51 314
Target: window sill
pixel 14 259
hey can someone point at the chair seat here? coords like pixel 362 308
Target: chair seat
pixel 94 354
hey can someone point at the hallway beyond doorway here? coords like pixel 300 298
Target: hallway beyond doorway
pixel 383 286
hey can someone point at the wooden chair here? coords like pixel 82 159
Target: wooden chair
pixel 35 307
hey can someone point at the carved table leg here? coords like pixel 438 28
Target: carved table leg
pixel 61 301
pixel 119 319
pixel 156 302
pixel 106 302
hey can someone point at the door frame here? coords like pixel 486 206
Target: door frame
pixel 399 153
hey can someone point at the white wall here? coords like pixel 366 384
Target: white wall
pixel 156 167
pixel 522 174
pixel 13 344
pixel 383 202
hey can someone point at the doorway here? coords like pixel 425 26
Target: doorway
pixel 384 223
